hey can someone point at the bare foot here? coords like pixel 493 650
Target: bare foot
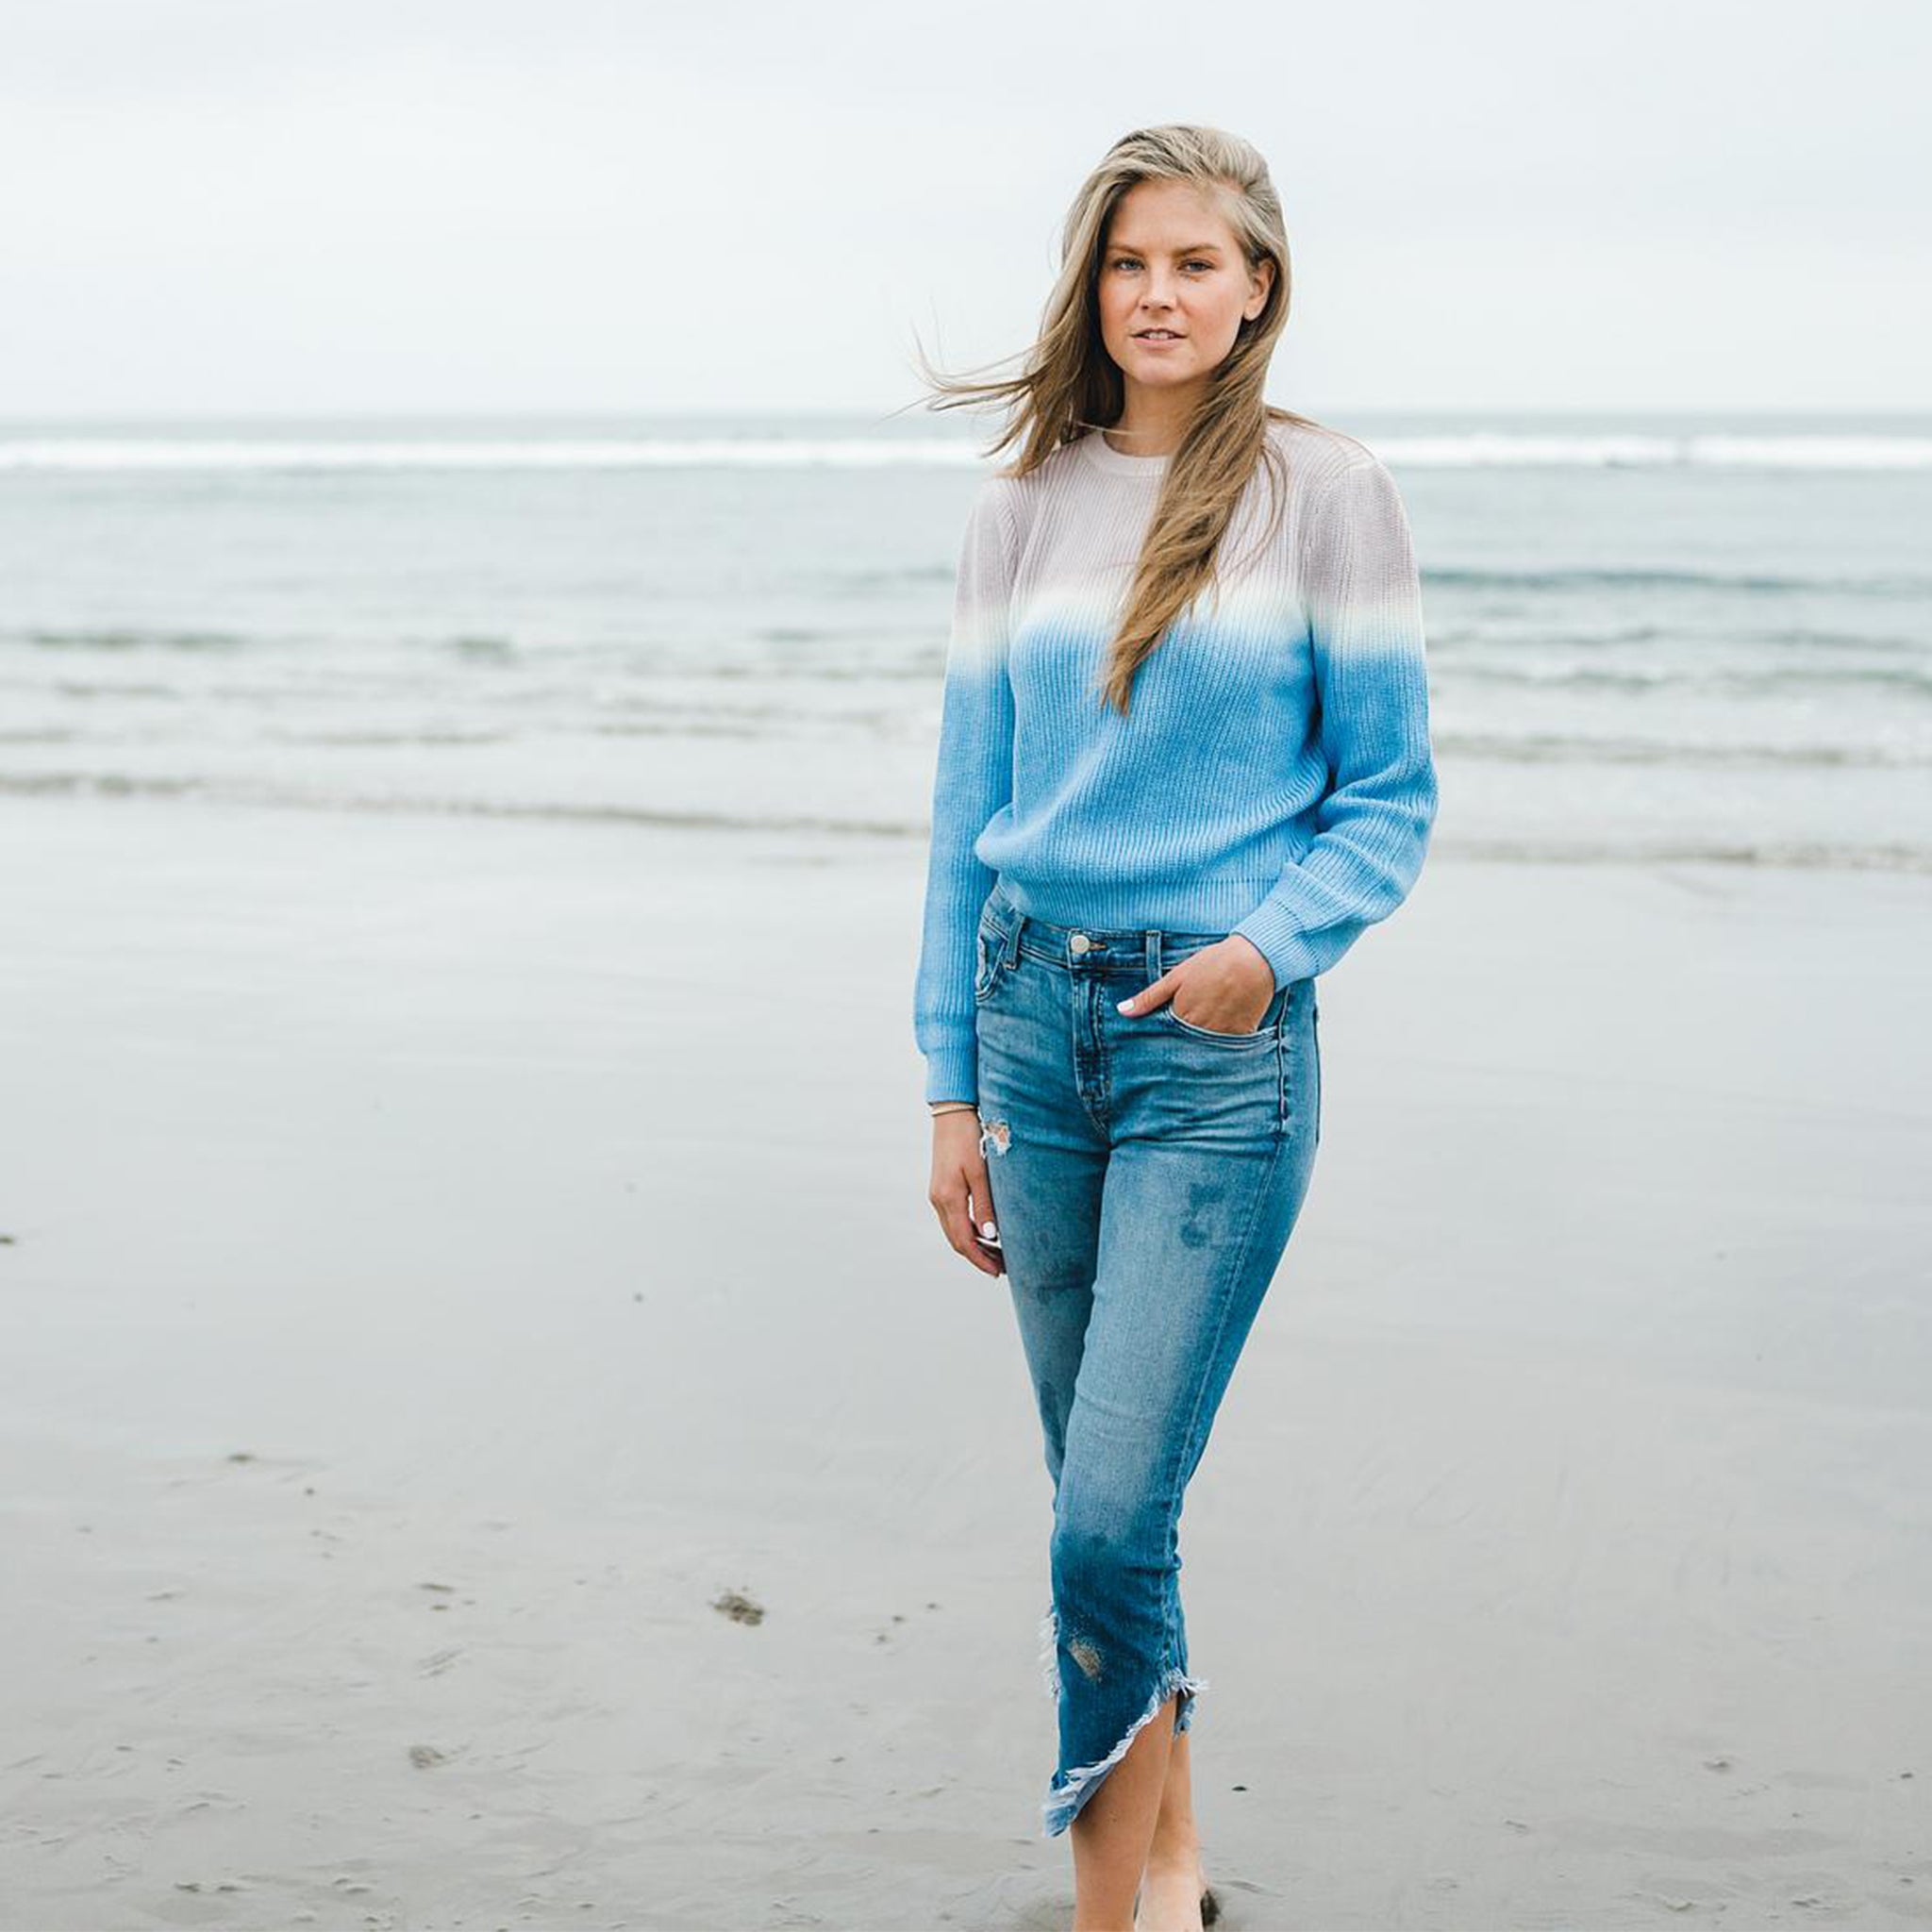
pixel 1170 1891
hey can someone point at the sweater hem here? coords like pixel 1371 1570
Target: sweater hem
pixel 1271 929
pixel 951 1071
pixel 1181 908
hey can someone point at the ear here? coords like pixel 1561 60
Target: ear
pixel 1263 279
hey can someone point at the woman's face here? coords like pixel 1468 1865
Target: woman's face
pixel 1171 265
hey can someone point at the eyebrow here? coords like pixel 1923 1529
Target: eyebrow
pixel 1193 248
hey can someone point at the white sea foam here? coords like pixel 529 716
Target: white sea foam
pixel 581 453
pixel 1497 450
pixel 1480 449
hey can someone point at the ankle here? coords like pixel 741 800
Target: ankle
pixel 1178 1846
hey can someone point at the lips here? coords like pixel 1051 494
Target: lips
pixel 1157 334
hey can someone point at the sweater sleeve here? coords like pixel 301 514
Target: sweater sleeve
pixel 973 780
pixel 1363 597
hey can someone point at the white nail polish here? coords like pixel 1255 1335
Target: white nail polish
pixel 1125 1006
pixel 988 1230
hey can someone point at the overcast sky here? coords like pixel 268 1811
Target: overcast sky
pixel 428 204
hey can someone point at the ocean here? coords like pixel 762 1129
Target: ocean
pixel 1650 637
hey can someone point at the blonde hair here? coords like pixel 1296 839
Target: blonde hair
pixel 1069 385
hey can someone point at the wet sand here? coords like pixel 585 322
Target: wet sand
pixel 490 1433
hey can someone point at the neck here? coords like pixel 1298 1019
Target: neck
pixel 1154 422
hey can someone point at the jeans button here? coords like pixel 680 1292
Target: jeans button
pixel 1079 942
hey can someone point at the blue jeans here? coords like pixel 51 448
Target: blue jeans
pixel 1146 1174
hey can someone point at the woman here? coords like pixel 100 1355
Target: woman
pixel 1184 761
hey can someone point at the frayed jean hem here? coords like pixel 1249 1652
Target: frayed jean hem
pixel 1071 1790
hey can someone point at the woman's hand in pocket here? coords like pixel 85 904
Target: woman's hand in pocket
pixel 960 1193
pixel 1228 986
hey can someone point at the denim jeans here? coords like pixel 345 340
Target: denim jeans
pixel 1146 1174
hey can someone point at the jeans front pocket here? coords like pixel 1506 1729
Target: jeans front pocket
pixel 1270 1020
pixel 990 961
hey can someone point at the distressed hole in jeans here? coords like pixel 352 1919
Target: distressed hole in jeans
pixel 1083 1651
pixel 994 1136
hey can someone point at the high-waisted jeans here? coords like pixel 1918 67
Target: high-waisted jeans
pixel 1145 1176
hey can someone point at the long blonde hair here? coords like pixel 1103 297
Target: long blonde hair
pixel 1069 385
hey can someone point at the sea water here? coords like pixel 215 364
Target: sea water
pixel 1648 637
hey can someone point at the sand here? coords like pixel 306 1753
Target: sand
pixel 448 1257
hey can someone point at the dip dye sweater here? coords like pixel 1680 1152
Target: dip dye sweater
pixel 1274 776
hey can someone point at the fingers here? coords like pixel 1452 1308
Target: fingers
pixel 985 1225
pixel 961 1196
pixel 962 1231
pixel 1156 993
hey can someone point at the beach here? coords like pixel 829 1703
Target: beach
pixel 494 1436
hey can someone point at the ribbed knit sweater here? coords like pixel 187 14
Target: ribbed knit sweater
pixel 1274 776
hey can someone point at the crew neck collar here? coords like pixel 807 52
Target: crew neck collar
pixel 1103 456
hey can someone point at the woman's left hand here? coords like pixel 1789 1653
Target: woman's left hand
pixel 1228 985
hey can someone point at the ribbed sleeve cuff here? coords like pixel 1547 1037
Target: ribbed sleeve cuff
pixel 952 1070
pixel 1271 928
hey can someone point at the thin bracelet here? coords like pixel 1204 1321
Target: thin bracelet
pixel 939 1107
